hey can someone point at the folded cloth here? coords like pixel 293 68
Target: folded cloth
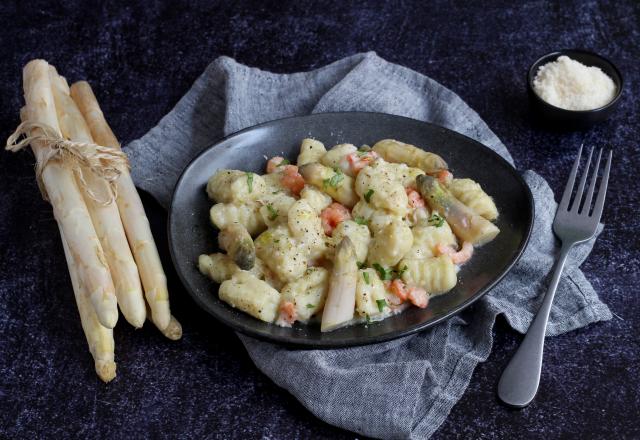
pixel 399 389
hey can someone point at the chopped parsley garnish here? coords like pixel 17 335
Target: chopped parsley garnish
pixel 273 213
pixel 276 241
pixel 250 181
pixel 385 274
pixel 401 271
pixel 368 318
pixel 310 306
pixel 365 275
pixel 368 194
pixel 436 220
pixel 361 221
pixel 381 304
pixel 335 180
pixel 284 162
pixel 361 265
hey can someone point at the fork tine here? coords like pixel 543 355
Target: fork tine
pixel 575 206
pixel 592 186
pixel 566 196
pixel 602 190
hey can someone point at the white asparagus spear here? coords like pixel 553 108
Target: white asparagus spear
pixel 106 219
pixel 66 199
pixel 341 297
pixel 99 338
pixel 132 212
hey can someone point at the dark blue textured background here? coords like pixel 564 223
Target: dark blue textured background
pixel 142 56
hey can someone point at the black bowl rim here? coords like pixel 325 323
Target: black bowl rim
pixel 361 341
pixel 537 63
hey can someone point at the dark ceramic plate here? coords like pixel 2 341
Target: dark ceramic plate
pixel 190 233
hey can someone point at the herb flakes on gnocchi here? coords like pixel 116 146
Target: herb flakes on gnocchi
pixel 344 236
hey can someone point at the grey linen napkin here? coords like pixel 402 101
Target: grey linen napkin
pixel 399 389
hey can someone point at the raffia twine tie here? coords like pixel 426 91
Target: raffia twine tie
pixel 107 163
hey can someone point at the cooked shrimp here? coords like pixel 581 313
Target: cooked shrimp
pixel 292 179
pixel 360 159
pixel 418 297
pixel 399 289
pixel 445 177
pixel 458 257
pixel 288 314
pixel 274 163
pixel 415 199
pixel 332 216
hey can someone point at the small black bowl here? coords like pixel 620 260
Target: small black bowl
pixel 563 119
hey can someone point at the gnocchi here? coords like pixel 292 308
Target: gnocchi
pixel 251 295
pixel 471 194
pixel 366 232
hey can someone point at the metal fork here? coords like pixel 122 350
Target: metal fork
pixel 573 224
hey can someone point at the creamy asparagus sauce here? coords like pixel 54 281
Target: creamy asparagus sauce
pixel 345 236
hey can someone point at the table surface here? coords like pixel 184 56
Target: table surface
pixel 142 56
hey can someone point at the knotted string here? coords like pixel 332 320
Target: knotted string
pixel 107 163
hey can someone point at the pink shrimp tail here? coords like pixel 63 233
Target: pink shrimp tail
pixel 418 297
pixel 288 314
pixel 458 257
pixel 273 163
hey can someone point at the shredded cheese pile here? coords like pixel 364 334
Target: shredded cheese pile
pixel 569 84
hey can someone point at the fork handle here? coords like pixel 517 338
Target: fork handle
pixel 519 382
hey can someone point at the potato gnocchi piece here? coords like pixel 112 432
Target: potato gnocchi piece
pixel 218 184
pixel 251 295
pixel 275 208
pixel 337 158
pixel 281 253
pixel 471 194
pixel 246 214
pixel 336 184
pixel 310 151
pixel 390 245
pixel 302 219
pixel 308 293
pixel 404 174
pixel 233 186
pixel 436 275
pixel 316 198
pixel 273 184
pixel 399 152
pixel 376 219
pixel 306 226
pixel 359 235
pixel 371 296
pixel 426 238
pixel 377 185
pixel 220 267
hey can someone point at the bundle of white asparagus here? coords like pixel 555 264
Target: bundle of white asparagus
pixel 110 252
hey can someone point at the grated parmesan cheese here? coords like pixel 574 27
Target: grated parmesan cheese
pixel 569 84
